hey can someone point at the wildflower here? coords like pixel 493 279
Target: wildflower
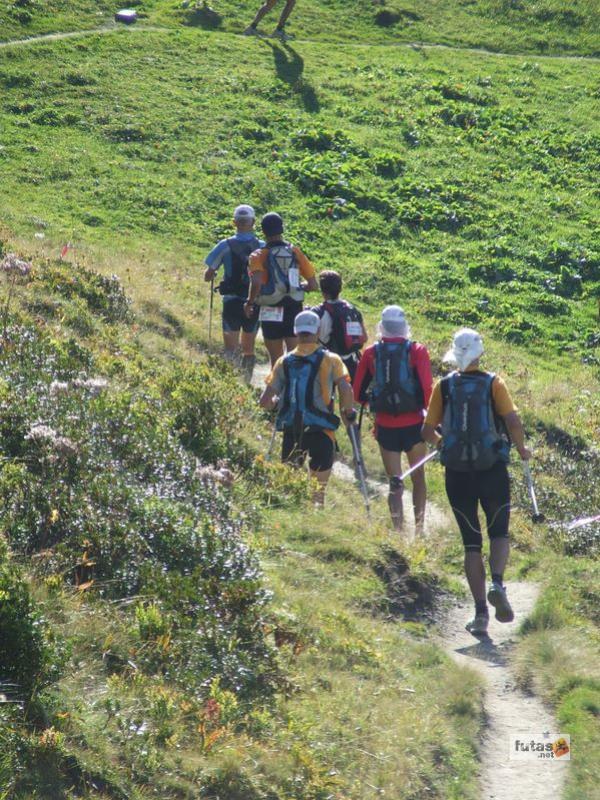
pixel 58 387
pixel 64 446
pixel 12 265
pixel 94 385
pixel 41 433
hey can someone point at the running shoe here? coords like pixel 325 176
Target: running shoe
pixel 478 626
pixel 250 31
pixel 282 35
pixel 497 598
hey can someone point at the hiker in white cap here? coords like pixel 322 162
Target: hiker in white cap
pixel 394 377
pixel 478 420
pixel 268 5
pixel 302 386
pixel 233 254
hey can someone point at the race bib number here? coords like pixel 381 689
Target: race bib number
pixel 354 329
pixel 271 314
pixel 294 276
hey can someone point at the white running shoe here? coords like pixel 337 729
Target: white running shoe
pixel 497 598
pixel 478 626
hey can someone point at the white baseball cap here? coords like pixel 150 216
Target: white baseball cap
pixel 467 345
pixel 244 212
pixel 393 322
pixel 307 322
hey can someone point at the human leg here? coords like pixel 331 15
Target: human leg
pixel 392 463
pixel 461 489
pixel 321 452
pixel 419 487
pixel 262 11
pixel 287 10
pixel 495 501
pixel 231 327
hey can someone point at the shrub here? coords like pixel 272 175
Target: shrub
pixel 29 658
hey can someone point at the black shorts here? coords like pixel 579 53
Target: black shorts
pixel 285 328
pixel 317 445
pixel 351 363
pixel 398 440
pixel 233 316
pixel 491 488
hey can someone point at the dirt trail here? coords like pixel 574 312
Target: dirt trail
pixel 508 710
pixel 419 46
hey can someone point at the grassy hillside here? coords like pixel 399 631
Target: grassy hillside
pixel 468 178
pixel 548 26
pixel 178 636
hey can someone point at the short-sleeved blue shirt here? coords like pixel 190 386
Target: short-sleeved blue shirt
pixel 221 253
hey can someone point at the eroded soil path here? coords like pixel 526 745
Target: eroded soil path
pixel 509 711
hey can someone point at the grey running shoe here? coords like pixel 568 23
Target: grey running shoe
pixel 478 626
pixel 497 598
pixel 250 31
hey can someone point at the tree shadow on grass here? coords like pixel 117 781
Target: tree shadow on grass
pixel 289 66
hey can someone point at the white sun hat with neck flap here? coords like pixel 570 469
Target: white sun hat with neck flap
pixel 467 345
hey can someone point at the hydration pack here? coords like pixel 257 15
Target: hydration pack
pixel 396 387
pixel 281 260
pixel 298 409
pixel 347 331
pixel 474 438
pixel 236 279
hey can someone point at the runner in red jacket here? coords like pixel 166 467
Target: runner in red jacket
pixel 394 377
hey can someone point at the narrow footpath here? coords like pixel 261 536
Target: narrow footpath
pixel 508 710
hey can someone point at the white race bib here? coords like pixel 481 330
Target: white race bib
pixel 271 314
pixel 354 329
pixel 294 277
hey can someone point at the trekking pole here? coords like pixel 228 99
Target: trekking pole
pixel 360 416
pixel 536 516
pixel 210 307
pixel 360 467
pixel 419 464
pixel 271 443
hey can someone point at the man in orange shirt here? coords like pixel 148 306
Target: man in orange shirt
pixel 476 413
pixel 302 386
pixel 276 286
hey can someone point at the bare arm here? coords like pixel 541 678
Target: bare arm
pixel 253 292
pixel 311 285
pixel 268 398
pixel 430 435
pixel 209 274
pixel 346 401
pixel 517 434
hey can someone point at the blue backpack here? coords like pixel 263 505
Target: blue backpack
pixel 396 388
pixel 298 408
pixel 474 437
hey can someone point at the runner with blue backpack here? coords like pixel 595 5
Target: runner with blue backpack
pixel 233 254
pixel 394 378
pixel 280 274
pixel 342 329
pixel 301 386
pixel 479 420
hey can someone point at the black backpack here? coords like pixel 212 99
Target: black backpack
pixel 347 331
pixel 236 280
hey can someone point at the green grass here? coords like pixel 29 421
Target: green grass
pixel 548 26
pixel 471 196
